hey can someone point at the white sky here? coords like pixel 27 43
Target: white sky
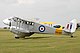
pixel 59 11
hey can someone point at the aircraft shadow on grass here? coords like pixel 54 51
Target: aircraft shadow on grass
pixel 47 37
pixel 36 37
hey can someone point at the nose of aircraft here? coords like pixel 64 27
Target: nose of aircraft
pixel 6 21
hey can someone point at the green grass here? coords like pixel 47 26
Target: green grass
pixel 39 43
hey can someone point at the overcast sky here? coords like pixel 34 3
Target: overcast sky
pixel 59 11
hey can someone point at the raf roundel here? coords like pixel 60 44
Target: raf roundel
pixel 41 28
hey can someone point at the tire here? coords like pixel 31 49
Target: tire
pixel 16 37
pixel 71 36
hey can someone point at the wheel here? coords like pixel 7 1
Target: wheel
pixel 17 37
pixel 71 36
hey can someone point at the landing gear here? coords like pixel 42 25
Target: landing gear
pixel 71 36
pixel 19 37
pixel 16 37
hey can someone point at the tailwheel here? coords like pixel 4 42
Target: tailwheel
pixel 71 36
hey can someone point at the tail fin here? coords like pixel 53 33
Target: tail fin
pixel 71 27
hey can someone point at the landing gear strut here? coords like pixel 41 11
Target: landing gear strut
pixel 71 35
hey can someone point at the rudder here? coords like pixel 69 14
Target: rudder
pixel 71 27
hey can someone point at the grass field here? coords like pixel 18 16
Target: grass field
pixel 39 43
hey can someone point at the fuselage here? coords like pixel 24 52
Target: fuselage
pixel 22 28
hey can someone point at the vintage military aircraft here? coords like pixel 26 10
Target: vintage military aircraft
pixel 22 28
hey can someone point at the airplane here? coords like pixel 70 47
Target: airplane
pixel 24 28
